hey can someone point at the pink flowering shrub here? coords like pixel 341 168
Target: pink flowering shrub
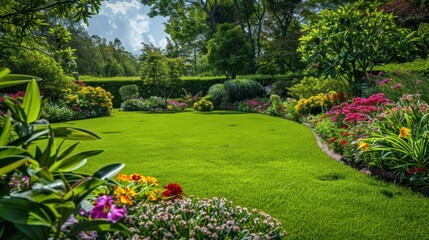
pixel 394 86
pixel 359 110
pixel 257 105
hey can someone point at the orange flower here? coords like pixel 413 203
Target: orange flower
pixel 123 178
pixel 124 200
pixel 151 197
pixel 130 192
pixel 363 146
pixel 404 132
pixel 150 180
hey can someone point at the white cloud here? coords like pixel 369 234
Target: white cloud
pixel 123 6
pixel 138 26
pixel 161 44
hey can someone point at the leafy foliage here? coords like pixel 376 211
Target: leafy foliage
pixel 38 208
pixel 129 92
pixel 229 51
pixel 350 41
pixel 311 86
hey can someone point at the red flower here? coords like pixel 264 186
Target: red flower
pixel 416 170
pixel 343 142
pixel 173 191
pixel 332 140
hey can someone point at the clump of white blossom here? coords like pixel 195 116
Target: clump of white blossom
pixel 195 218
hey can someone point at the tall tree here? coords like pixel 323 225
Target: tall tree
pixel 229 50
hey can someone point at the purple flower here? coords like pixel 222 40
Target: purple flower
pixel 90 235
pixel 106 209
pixel 380 74
pixel 397 86
pixel 70 221
pixel 387 80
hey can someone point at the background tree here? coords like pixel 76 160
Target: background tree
pixel 229 50
pixel 162 72
pixel 349 42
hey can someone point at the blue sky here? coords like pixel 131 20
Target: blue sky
pixel 128 21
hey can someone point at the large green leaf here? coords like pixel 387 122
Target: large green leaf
pixel 83 188
pixel 32 102
pixel 75 133
pixel 10 163
pixel 33 232
pixel 109 171
pixel 66 152
pixel 99 226
pixel 73 162
pixel 27 139
pixel 6 130
pixel 22 211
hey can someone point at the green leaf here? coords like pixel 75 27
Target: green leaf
pixel 28 139
pixel 67 151
pixel 82 188
pixel 22 211
pixel 10 163
pixel 75 133
pixel 5 133
pixel 32 102
pixel 99 226
pixel 109 171
pixel 33 232
pixel 73 162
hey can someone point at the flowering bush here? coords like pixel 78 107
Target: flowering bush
pixel 400 142
pixel 394 86
pixel 201 219
pixel 57 113
pixel 359 110
pixel 203 106
pixel 134 105
pixel 256 105
pixel 176 106
pixel 87 102
pixel 319 103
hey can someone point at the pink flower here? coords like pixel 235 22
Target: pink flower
pixel 419 82
pixel 106 209
pixel 397 86
pixel 380 74
pixel 387 80
pixel 398 72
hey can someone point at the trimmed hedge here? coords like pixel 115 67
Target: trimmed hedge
pixel 418 66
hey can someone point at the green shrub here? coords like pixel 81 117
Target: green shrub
pixel 41 65
pixel 217 93
pixel 202 219
pixel 57 113
pixel 88 102
pixel 418 66
pixel 203 106
pixel 134 105
pixel 311 86
pixel 128 92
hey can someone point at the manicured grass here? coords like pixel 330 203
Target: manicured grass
pixel 138 78
pixel 259 162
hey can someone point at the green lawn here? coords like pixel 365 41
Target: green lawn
pixel 259 162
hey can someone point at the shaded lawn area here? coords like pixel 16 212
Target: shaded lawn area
pixel 259 162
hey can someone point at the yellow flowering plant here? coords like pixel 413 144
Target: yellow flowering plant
pixel 135 188
pixel 203 106
pixel 319 103
pixel 87 101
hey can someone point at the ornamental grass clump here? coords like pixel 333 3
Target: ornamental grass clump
pixel 195 218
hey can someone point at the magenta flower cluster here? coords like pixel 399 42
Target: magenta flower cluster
pixel 359 110
pixel 105 208
pixel 177 104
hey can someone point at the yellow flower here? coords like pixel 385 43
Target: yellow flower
pixel 130 192
pixel 150 180
pixel 119 191
pixel 124 200
pixel 404 132
pixel 151 197
pixel 363 146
